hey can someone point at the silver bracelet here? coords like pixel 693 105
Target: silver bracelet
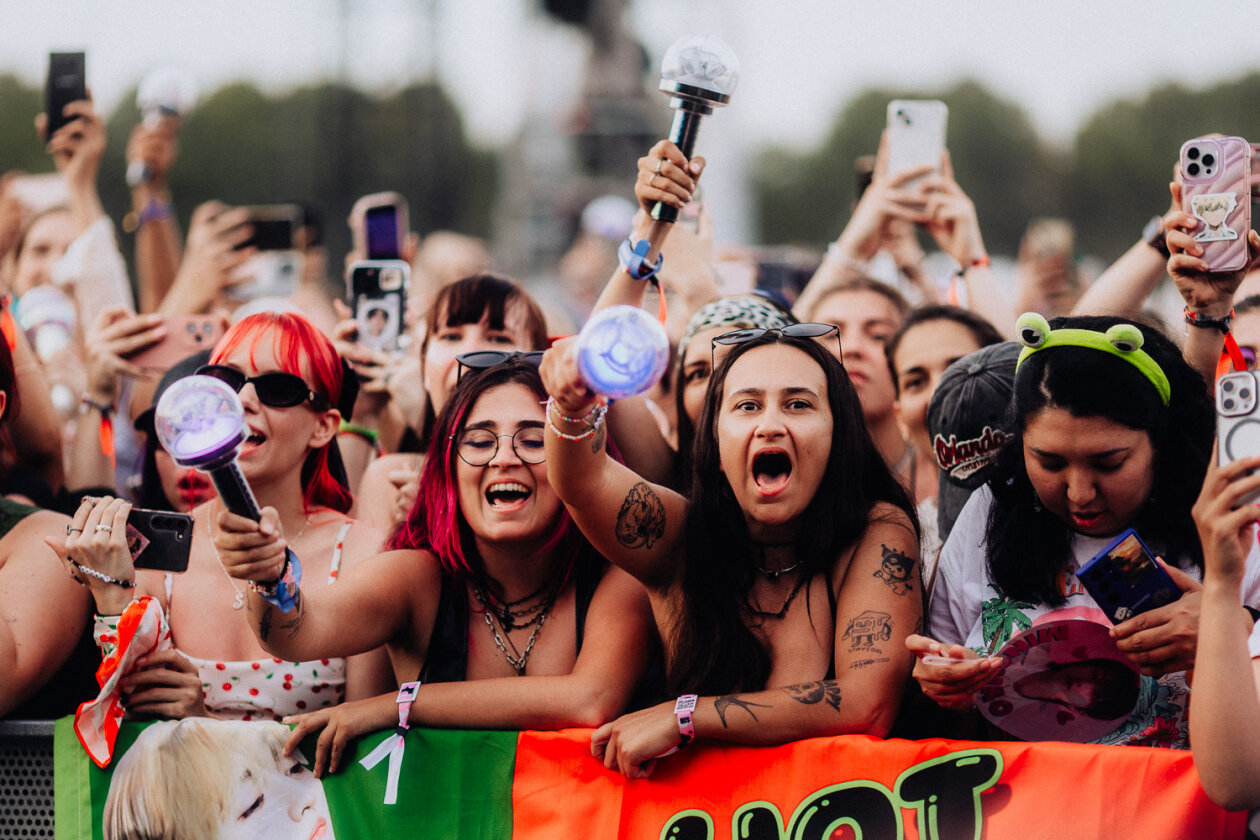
pixel 127 584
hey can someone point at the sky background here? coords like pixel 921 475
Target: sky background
pixel 801 60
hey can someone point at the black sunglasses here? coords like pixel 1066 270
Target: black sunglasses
pixel 276 389
pixel 482 359
pixel 806 330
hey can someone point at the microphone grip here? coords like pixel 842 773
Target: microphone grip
pixel 683 133
pixel 234 490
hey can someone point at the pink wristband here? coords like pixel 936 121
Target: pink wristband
pixel 684 708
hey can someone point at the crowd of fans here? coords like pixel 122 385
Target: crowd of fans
pixel 828 516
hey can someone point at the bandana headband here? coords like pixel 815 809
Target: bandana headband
pixel 1124 341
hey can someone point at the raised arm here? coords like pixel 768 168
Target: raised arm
pixel 879 604
pixel 1225 714
pixel 158 249
pixel 614 656
pixel 635 524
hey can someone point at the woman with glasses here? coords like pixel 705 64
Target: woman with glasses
pixel 487 582
pixel 482 313
pixel 290 380
pixel 785 583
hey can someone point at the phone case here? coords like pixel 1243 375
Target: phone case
pixel 1125 580
pixel 1237 420
pixel 1216 188
pixel 916 134
pixel 66 84
pixel 379 223
pixel 159 539
pixel 184 336
pixel 378 293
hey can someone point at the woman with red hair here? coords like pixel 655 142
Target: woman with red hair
pixel 488 580
pixel 290 381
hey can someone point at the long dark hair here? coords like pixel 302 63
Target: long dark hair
pixel 713 649
pixel 1030 549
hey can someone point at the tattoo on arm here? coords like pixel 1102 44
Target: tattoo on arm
pixel 264 624
pixel 599 439
pixel 294 624
pixel 810 694
pixel 726 701
pixel 896 570
pixel 862 663
pixel 868 628
pixel 641 521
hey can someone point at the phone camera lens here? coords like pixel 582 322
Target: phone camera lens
pixel 1209 160
pixel 1228 404
pixel 1193 153
pixel 1244 394
pixel 1192 169
pixel 1227 386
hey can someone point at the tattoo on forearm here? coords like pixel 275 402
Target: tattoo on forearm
pixel 294 624
pixel 264 625
pixel 641 521
pixel 896 570
pixel 868 628
pixel 599 439
pixel 726 701
pixel 862 663
pixel 810 694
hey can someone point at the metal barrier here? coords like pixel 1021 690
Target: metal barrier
pixel 26 779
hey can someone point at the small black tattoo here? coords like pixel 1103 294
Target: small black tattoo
pixel 264 625
pixel 599 439
pixel 867 628
pixel 810 694
pixel 862 663
pixel 641 521
pixel 294 625
pixel 896 570
pixel 726 701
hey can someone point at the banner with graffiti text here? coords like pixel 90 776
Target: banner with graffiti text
pixel 215 779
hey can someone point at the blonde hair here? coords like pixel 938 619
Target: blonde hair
pixel 1208 202
pixel 177 780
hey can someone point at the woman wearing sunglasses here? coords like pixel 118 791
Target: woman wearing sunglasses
pixel 490 596
pixel 484 312
pixel 785 583
pixel 289 379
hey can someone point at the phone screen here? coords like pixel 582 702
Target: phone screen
pixel 381 224
pixel 271 235
pixel 66 84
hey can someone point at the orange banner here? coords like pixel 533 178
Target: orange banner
pixel 855 786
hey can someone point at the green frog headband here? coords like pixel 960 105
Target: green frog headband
pixel 1124 341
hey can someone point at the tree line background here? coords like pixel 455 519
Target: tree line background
pixel 325 145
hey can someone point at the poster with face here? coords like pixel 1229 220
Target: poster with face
pixel 1061 680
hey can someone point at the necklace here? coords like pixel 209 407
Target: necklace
pixel 503 609
pixel 239 600
pixel 773 574
pixel 800 583
pixel 519 660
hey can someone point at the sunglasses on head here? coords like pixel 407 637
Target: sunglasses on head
pixel 806 330
pixel 276 389
pixel 482 359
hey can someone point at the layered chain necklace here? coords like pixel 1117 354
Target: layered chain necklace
pixel 507 614
pixel 239 601
pixel 773 576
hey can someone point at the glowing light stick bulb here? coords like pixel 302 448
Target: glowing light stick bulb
pixel 699 73
pixel 201 423
pixel 165 92
pixel 622 351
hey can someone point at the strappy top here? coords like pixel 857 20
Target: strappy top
pixel 271 688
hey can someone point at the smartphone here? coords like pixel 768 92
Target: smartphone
pixel 1216 188
pixel 1125 580
pixel 377 290
pixel 66 83
pixel 1237 420
pixel 185 335
pixel 379 223
pixel 159 539
pixel 274 225
pixel 916 135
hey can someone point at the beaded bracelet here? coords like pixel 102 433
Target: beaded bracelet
pixel 126 584
pixel 585 419
pixel 1196 319
pixel 590 429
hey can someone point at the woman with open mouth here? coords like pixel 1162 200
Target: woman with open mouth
pixel 294 392
pixel 487 582
pixel 785 583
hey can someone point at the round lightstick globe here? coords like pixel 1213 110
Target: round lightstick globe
pixel 200 421
pixel 701 61
pixel 622 351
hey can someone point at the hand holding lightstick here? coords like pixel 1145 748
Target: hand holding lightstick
pixel 165 92
pixel 201 423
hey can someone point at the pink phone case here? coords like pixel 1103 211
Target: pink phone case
pixel 1216 188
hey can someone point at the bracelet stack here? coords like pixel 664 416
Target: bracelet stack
pixel 592 420
pixel 1196 319
pixel 126 584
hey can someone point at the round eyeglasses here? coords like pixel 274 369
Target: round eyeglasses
pixel 478 447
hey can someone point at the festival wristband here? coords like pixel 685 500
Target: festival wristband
pixel 394 745
pixel 282 592
pixel 633 258
pixel 684 710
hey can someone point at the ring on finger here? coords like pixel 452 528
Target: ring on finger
pixel 105 528
pixel 659 163
pixel 652 182
pixel 70 529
